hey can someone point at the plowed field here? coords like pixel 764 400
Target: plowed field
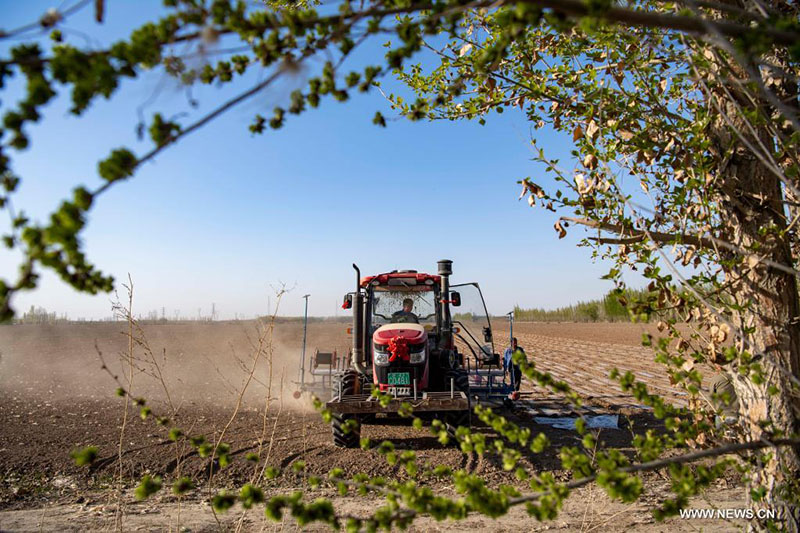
pixel 56 396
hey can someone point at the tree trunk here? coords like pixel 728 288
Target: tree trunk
pixel 753 212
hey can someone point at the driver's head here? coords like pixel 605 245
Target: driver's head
pixel 408 305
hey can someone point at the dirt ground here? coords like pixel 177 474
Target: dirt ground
pixel 55 396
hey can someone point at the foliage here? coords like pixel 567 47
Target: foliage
pixel 148 486
pixel 84 456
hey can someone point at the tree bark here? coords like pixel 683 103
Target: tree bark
pixel 752 209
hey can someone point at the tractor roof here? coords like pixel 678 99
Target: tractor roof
pixel 407 277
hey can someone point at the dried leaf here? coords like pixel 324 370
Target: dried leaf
pixel 561 231
pixel 644 156
pixel 626 135
pixel 532 200
pixel 534 189
pixel 590 161
pixel 592 130
pixel 687 257
pixel 580 181
pixel 577 134
pixel 464 49
pixel 722 333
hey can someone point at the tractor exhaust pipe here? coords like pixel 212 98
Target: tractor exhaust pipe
pixel 445 270
pixel 358 325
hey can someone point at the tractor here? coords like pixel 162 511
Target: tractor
pixel 406 344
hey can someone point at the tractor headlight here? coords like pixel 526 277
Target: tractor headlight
pixel 380 354
pixel 417 357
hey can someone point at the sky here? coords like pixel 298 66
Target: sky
pixel 227 218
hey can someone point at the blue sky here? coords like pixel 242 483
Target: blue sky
pixel 223 216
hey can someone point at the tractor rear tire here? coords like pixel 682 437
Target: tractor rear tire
pixel 455 419
pixel 344 436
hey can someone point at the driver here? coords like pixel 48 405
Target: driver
pixel 405 315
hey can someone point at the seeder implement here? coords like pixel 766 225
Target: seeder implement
pixel 426 402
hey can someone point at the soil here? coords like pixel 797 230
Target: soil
pixel 55 396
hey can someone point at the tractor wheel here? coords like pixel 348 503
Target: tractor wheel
pixel 366 388
pixel 455 419
pixel 344 434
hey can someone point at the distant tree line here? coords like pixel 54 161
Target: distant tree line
pixel 40 315
pixel 613 307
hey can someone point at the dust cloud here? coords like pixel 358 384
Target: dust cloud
pixel 199 362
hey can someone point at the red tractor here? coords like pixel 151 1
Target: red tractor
pixel 404 344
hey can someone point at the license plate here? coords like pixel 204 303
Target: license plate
pixel 399 378
pixel 400 391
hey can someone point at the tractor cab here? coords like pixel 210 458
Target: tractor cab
pixel 403 313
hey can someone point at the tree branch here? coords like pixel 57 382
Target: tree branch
pixel 733 447
pixel 640 235
pixel 573 8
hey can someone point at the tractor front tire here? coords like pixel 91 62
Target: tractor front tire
pixel 345 434
pixel 455 419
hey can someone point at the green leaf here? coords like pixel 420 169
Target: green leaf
pixel 147 487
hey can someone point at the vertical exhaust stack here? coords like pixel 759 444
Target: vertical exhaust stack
pixel 358 325
pixel 445 270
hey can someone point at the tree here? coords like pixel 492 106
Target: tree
pixel 708 130
pixel 689 107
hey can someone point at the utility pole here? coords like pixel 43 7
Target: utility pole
pixel 510 316
pixel 303 357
